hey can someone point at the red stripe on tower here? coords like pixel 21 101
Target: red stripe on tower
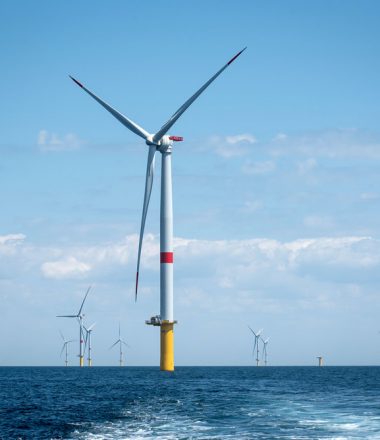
pixel 166 257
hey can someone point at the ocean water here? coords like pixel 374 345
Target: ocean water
pixel 191 403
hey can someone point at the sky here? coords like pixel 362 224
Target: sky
pixel 276 185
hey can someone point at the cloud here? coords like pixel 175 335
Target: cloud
pixel 231 146
pixel 69 267
pixel 10 242
pixel 260 271
pixel 305 166
pixel 255 167
pixel 240 138
pixel 11 239
pixel 333 144
pixel 52 142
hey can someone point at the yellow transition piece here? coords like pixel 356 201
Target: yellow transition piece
pixel 167 346
pixel 81 361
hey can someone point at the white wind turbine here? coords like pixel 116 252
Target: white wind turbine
pixel 65 347
pixel 121 343
pixel 79 317
pixel 256 344
pixel 265 352
pixel 88 341
pixel 162 143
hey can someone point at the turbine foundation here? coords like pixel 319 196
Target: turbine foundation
pixel 167 346
pixel 166 341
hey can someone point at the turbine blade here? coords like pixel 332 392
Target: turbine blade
pixel 121 118
pixel 148 190
pixel 85 341
pixel 113 345
pixel 66 316
pixel 125 344
pixel 63 347
pixel 166 127
pixel 84 299
pixel 63 338
pixel 252 331
pixel 91 327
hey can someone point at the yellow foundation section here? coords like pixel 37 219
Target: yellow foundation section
pixel 81 361
pixel 167 346
pixel 90 362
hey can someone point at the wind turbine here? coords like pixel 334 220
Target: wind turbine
pixel 64 347
pixel 256 344
pixel 162 143
pixel 79 317
pixel 265 353
pixel 120 342
pixel 88 339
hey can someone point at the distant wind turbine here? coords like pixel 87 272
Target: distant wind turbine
pixel 160 142
pixel 265 353
pixel 79 317
pixel 88 341
pixel 65 347
pixel 121 343
pixel 256 344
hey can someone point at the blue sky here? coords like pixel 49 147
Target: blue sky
pixel 276 187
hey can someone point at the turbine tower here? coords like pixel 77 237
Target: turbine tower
pixel 265 353
pixel 79 317
pixel 256 345
pixel 65 348
pixel 121 343
pixel 162 143
pixel 88 340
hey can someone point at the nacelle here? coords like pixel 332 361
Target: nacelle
pixel 165 142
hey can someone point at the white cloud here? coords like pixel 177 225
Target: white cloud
pixel 263 271
pixel 333 144
pixel 240 138
pixel 217 256
pixel 263 167
pixel 280 137
pixel 11 239
pixel 305 166
pixel 69 267
pixel 9 243
pixel 52 142
pixel 232 146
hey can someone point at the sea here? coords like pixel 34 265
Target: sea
pixel 190 403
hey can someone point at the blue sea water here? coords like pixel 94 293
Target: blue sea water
pixel 191 403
